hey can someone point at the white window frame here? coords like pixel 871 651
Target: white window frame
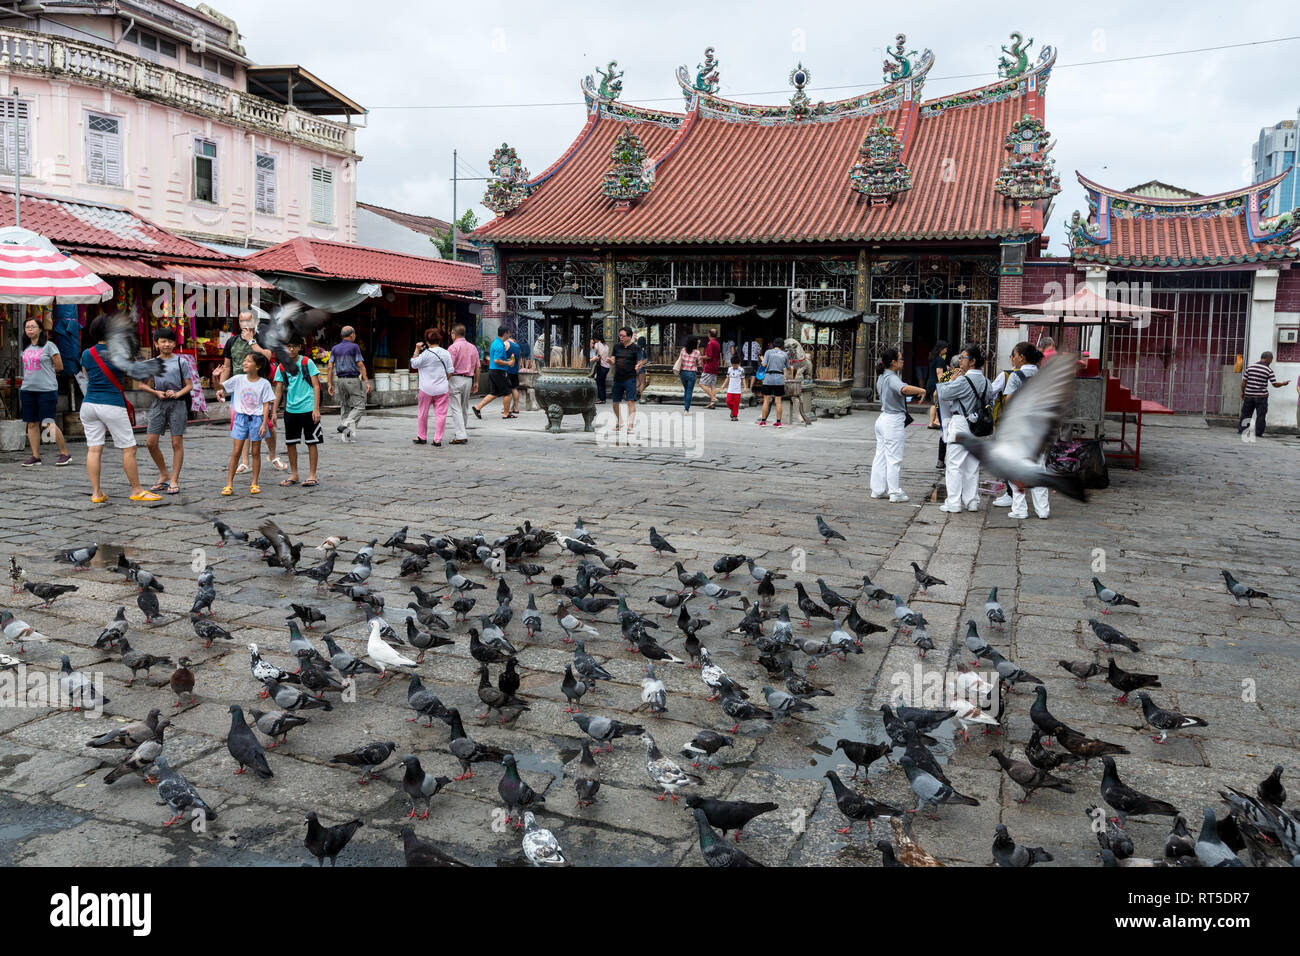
pixel 109 175
pixel 24 124
pixel 322 195
pixel 266 185
pixel 199 143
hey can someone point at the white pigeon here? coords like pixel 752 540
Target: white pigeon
pixel 664 772
pixel 571 625
pixel 1014 451
pixel 496 562
pixel 969 685
pixel 841 637
pixel 18 631
pixel 77 689
pixel 540 845
pixel 331 543
pixel 382 654
pixel 653 694
pixel 967 713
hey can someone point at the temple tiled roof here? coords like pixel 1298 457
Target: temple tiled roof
pixel 1142 231
pixel 729 173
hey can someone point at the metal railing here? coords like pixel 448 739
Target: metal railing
pixel 23 51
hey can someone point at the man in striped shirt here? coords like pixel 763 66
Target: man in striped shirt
pixel 1254 393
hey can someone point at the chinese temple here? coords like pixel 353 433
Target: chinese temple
pixel 919 213
pixel 1227 275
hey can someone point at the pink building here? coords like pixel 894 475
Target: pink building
pixel 152 105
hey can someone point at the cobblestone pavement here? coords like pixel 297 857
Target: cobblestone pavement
pixel 1202 501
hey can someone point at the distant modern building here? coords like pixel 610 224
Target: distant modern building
pixel 1273 154
pixel 153 106
pixel 406 232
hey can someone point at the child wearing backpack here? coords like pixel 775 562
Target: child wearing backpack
pixel 297 385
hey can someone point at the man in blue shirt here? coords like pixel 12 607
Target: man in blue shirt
pixel 515 352
pixel 501 362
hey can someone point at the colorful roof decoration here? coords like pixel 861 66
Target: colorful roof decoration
pixel 318 259
pixel 704 168
pixel 1128 229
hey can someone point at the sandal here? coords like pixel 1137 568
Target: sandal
pixel 228 490
pixel 310 483
pixel 160 487
pixel 173 489
pixel 279 465
pixel 98 499
pixel 242 469
pixel 254 489
pixel 146 496
pixel 288 482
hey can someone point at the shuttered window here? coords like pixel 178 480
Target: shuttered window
pixel 322 194
pixel 19 130
pixel 205 171
pixel 103 150
pixel 266 187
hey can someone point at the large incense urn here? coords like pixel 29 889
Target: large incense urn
pixel 567 391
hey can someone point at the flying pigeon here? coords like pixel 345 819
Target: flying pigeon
pixel 1013 452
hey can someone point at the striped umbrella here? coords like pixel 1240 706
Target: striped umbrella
pixel 31 276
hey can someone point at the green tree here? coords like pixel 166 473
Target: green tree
pixel 465 224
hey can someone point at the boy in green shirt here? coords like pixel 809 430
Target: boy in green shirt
pixel 297 386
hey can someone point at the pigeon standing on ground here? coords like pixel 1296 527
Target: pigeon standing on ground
pixel 277 724
pixel 423 853
pixel 717 852
pixel 540 846
pixel 606 730
pixel 182 681
pixel 245 747
pixel 993 611
pixel 653 694
pixel 1239 590
pixel 147 601
pixel 1109 636
pixel 664 772
pixel 1270 789
pixel 855 806
pixel 729 815
pixel 1110 598
pixel 586 779
pixel 1179 844
pixel 1126 681
pixel 178 793
pixel 1029 777
pixel 1007 853
pixel 323 841
pixel 517 794
pixel 48 593
pixel 1110 835
pixel 924 579
pixel 419 785
pixel 367 758
pixel 1082 670
pixel 114 630
pixel 705 744
pixel 424 702
pixel 1125 800
pixel 659 543
pixel 138 660
pixel 79 558
pixel 381 653
pixel 345 663
pixel 931 791
pixel 16 574
pixel 1165 720
pixel 1210 849
pixel 862 753
pixel 76 688
pixel 827 532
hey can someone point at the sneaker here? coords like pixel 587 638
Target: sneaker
pixel 898 496
pixel 883 494
pixel 940 464
pixel 465 441
pixel 735 418
pixel 973 506
pixel 1018 515
pixel 340 429
pixel 762 421
pixel 776 424
pixel 1045 516
pixel 33 460
pixel 64 460
pixel 1003 502
pixel 951 511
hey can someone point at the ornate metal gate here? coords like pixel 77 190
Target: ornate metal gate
pixel 979 328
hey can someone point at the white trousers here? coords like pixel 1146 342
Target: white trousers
pixel 458 409
pixel 885 468
pixel 1020 507
pixel 963 468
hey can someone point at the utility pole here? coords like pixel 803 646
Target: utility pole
pixel 456 179
pixel 18 163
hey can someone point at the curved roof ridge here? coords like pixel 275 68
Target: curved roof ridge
pixel 1175 201
pixel 1033 80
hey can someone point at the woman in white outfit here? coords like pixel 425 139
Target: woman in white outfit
pixel 959 402
pixel 891 426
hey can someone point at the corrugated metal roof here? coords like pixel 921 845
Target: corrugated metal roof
pixel 121 266
pixel 319 259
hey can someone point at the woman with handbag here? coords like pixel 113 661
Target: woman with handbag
pixel 435 366
pixel 688 367
pixel 891 427
pixel 105 411
pixel 963 402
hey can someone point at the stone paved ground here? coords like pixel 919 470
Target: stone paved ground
pixel 1202 502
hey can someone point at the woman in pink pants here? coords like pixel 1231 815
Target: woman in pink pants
pixel 435 365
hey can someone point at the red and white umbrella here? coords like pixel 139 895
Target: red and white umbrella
pixel 32 276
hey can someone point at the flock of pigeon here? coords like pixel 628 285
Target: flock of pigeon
pixel 1259 824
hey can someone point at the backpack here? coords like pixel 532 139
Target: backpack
pixel 981 426
pixel 1002 398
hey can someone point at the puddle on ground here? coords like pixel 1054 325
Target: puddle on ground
pixel 862 724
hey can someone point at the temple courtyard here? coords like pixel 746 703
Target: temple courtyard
pixel 1202 501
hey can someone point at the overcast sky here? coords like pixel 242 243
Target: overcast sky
pixel 1189 120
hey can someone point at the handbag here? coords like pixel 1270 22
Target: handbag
pixel 677 366
pixel 108 374
pixel 761 373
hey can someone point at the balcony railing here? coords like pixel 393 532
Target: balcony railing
pixel 23 51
